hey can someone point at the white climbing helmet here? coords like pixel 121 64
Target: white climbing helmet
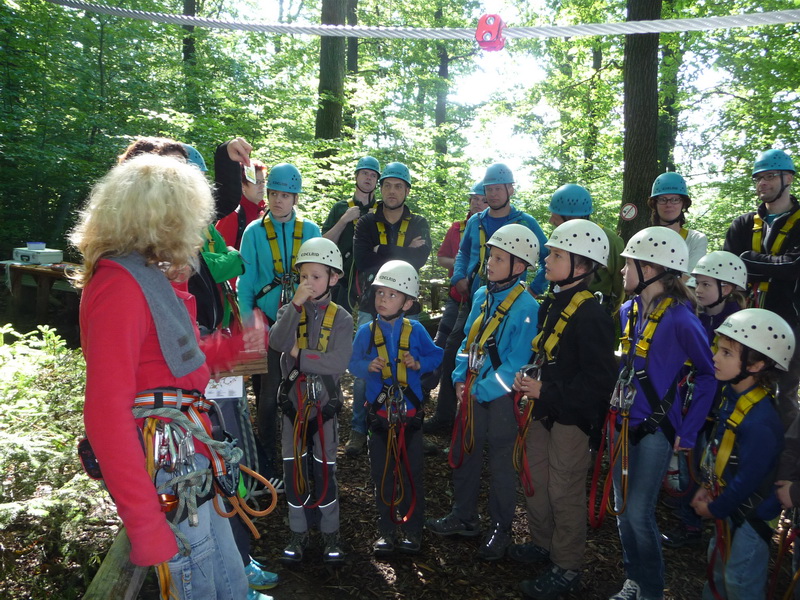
pixel 763 331
pixel 581 237
pixel 723 266
pixel 322 251
pixel 398 275
pixel 660 246
pixel 518 241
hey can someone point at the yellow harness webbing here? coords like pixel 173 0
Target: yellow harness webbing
pixel 324 332
pixel 272 238
pixel 210 238
pixel 401 235
pixel 555 335
pixel 481 333
pixel 777 244
pixel 743 406
pixel 383 352
pixel 653 319
pixel 684 232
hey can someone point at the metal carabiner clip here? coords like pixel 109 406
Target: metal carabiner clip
pixel 476 358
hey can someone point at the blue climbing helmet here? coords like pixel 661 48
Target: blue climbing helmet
pixel 571 200
pixel 773 160
pixel 368 162
pixel 195 158
pixel 397 170
pixel 498 173
pixel 285 178
pixel 477 189
pixel 669 183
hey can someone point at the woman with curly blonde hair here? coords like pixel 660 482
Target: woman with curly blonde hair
pixel 139 234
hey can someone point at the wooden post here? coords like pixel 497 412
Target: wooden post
pixel 118 577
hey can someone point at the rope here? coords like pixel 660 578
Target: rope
pixel 463 33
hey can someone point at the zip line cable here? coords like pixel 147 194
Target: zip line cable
pixel 462 33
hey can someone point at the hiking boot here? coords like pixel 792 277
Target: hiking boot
pixel 495 545
pixel 332 552
pixel 552 584
pixel 452 525
pixel 384 545
pixel 258 577
pixel 429 447
pixel 682 536
pixel 437 425
pixel 256 595
pixel 528 553
pixel 630 591
pixel 356 444
pixel 410 543
pixel 293 553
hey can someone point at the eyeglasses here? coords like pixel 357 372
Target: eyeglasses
pixel 759 177
pixel 669 200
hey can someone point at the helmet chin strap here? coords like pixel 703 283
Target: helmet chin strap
pixel 508 198
pixel 498 286
pixel 371 193
pixel 643 283
pixel 722 297
pixel 572 277
pixel 780 192
pixel 743 373
pixel 671 222
pixel 328 288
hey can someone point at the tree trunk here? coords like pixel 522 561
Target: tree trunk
pixel 332 62
pixel 190 59
pixel 640 83
pixel 349 118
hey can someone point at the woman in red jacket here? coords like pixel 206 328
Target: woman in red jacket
pixel 139 234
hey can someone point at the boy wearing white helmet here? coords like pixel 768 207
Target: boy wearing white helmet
pixel 503 315
pixel 315 338
pixel 390 354
pixel 660 332
pixel 720 279
pixel 740 461
pixel 567 386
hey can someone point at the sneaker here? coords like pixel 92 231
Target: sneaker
pixel 256 595
pixel 437 425
pixel 495 545
pixel 385 544
pixel 293 553
pixel 552 584
pixel 682 536
pixel 332 552
pixel 630 591
pixel 258 577
pixel 528 553
pixel 355 445
pixel 410 543
pixel 452 525
pixel 429 447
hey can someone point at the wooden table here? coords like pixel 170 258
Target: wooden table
pixel 44 277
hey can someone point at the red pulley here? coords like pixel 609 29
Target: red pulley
pixel 489 33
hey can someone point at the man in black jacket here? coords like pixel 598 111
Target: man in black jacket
pixel 768 241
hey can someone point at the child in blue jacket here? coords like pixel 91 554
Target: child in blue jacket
pixel 741 459
pixel 499 327
pixel 391 353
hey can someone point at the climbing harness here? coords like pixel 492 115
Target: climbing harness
pixel 758 291
pixel 283 272
pixel 480 343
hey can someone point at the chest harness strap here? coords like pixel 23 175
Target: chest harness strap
pixel 393 398
pixel 758 291
pixel 283 272
pixel 479 344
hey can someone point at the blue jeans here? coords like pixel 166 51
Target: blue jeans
pixel 744 577
pixel 359 422
pixel 638 530
pixel 214 569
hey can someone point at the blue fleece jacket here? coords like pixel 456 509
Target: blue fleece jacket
pixel 513 337
pixel 469 251
pixel 258 266
pixel 421 347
